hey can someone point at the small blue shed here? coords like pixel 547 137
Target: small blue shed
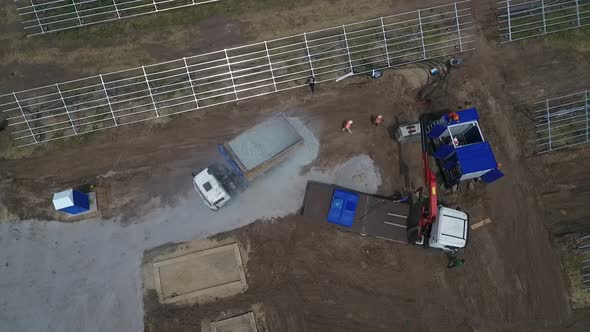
pixel 71 201
pixel 461 148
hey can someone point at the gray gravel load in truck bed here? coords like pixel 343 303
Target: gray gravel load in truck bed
pixel 264 142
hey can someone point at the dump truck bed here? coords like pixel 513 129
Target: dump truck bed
pixel 262 146
pixel 373 216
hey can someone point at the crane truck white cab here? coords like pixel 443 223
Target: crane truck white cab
pixel 450 231
pixel 210 189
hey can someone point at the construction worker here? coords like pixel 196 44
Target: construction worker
pixel 453 117
pixel 311 82
pixel 454 261
pixel 347 126
pixel 378 120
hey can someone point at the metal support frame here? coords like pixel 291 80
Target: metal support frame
pixel 509 20
pixel 37 16
pixel 308 54
pixel 208 73
pixel 548 123
pixel 421 35
pixel 347 49
pixel 76 10
pixel 116 8
pixel 385 42
pixel 190 81
pixel 458 27
pixel 66 107
pixel 96 11
pixel 562 122
pixel 147 82
pixel 544 19
pixel 24 117
pixel 578 13
pixel 104 87
pixel 231 74
pixel 274 82
pixel 587 117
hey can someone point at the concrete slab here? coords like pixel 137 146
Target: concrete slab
pixel 264 141
pixel 242 323
pixel 215 272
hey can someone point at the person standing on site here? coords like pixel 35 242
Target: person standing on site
pixel 453 117
pixel 347 126
pixel 378 120
pixel 311 82
pixel 454 261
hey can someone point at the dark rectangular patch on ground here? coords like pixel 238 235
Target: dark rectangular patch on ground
pixel 375 216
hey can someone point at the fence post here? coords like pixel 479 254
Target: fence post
pixel 421 35
pixel 190 81
pixel 543 12
pixel 231 74
pixel 104 87
pixel 270 66
pixel 509 23
pixel 116 8
pixel 587 118
pixel 308 54
pixel 458 27
pixel 548 123
pixel 24 117
pixel 347 49
pixel 76 10
pixel 385 41
pixel 147 82
pixel 37 16
pixel 66 107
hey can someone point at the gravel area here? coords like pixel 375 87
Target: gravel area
pixel 86 276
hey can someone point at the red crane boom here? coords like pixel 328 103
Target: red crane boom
pixel 430 210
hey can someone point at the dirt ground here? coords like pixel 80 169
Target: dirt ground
pixel 306 277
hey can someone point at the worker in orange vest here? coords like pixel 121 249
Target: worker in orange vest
pixel 454 117
pixel 347 125
pixel 378 120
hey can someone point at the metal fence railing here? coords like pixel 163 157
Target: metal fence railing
pixel 521 19
pixel 583 252
pixel 44 16
pixel 562 122
pixel 110 100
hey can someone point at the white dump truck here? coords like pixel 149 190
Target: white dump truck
pixel 246 156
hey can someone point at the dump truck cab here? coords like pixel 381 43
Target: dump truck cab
pixel 450 231
pixel 210 189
